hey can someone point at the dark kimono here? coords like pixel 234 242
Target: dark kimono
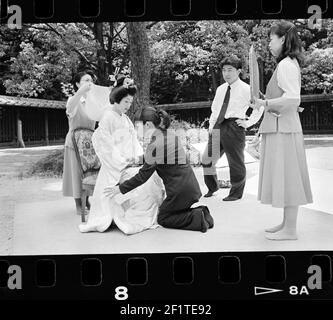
pixel 166 155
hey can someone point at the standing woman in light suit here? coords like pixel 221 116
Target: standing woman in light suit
pixel 283 176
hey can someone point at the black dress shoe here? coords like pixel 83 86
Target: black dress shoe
pixel 208 194
pixel 230 198
pixel 207 216
pixel 204 223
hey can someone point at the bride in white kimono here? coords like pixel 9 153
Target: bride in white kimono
pixel 116 144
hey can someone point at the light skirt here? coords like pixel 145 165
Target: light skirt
pixel 283 175
pixel 71 179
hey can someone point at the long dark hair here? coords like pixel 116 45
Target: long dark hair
pixel 292 46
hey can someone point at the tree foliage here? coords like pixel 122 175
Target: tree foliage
pixel 46 55
pixel 318 74
pixel 186 57
pixel 41 59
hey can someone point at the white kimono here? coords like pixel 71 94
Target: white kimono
pixel 115 142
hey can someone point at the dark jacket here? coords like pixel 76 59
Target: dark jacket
pixel 166 155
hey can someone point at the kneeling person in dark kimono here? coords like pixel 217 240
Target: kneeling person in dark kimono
pixel 166 155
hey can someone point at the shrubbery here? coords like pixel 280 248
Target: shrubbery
pixel 189 134
pixel 51 165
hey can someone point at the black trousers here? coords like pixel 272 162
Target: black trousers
pixel 228 138
pixel 188 219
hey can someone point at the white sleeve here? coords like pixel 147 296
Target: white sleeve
pixel 288 77
pixel 71 109
pixel 215 108
pixel 135 144
pixel 105 146
pixel 246 93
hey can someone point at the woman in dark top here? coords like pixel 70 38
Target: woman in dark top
pixel 166 155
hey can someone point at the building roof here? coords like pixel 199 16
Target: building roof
pixel 30 102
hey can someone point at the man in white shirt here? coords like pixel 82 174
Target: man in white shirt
pixel 227 126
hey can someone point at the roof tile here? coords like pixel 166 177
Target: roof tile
pixel 31 102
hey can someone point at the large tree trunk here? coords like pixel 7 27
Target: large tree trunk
pixel 102 70
pixel 140 64
pixel 214 80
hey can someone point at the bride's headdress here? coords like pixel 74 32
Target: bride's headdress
pixel 113 77
pixel 129 83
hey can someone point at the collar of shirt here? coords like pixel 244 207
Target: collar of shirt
pixel 235 84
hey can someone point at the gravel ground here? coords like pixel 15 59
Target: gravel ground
pixel 17 188
pixel 13 191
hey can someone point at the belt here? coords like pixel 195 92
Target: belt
pixel 232 119
pixel 226 120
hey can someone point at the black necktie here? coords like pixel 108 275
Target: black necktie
pixel 224 107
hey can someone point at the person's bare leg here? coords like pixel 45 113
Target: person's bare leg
pixel 278 227
pixel 78 205
pixel 288 232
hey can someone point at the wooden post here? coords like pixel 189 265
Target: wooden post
pixel 317 118
pixel 221 77
pixel 213 75
pixel 46 118
pixel 20 141
pixel 13 125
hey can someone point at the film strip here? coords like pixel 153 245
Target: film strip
pixel 178 276
pixel 227 276
pixel 143 10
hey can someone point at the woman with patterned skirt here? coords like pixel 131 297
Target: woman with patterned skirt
pixel 77 117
